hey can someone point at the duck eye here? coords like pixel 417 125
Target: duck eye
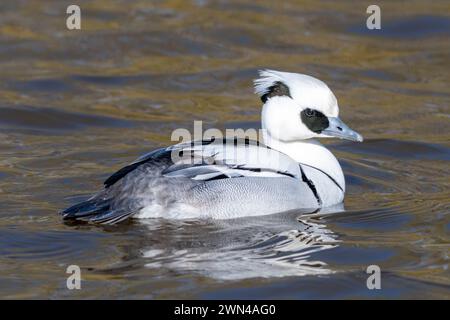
pixel 309 112
pixel 315 120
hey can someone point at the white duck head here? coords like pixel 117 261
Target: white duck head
pixel 298 107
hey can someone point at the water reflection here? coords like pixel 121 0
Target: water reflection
pixel 271 246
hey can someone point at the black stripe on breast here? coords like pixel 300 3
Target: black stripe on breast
pixel 311 186
pixel 331 178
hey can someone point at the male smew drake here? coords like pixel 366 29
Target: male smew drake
pixel 223 178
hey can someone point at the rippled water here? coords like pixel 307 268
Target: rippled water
pixel 77 105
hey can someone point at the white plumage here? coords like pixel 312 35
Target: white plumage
pixel 232 178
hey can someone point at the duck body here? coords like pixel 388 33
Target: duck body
pixel 230 178
pixel 225 179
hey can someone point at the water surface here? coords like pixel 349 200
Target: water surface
pixel 77 105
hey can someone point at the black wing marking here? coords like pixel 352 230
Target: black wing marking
pixel 163 155
pixel 121 173
pixel 242 158
pixel 159 156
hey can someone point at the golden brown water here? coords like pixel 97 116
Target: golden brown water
pixel 77 105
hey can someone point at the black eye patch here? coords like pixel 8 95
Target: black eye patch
pixel 315 120
pixel 277 89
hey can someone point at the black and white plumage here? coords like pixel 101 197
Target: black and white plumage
pixel 229 178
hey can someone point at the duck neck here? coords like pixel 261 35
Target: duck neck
pixel 309 152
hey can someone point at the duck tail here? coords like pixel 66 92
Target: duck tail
pixel 97 210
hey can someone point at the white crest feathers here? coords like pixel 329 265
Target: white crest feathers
pixel 266 80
